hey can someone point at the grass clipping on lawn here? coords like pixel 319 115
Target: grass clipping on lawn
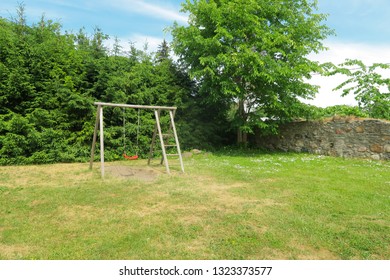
pixel 226 206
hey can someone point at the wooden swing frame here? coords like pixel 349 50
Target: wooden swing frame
pixel 157 109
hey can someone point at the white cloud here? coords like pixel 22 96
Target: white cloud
pixel 339 51
pixel 337 54
pixel 151 9
pixel 139 41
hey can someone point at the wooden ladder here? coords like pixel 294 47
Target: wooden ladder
pixel 164 141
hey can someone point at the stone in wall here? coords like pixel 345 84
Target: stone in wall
pixel 344 137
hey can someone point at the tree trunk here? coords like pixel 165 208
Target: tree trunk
pixel 242 137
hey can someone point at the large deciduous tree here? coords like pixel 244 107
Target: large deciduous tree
pixel 252 54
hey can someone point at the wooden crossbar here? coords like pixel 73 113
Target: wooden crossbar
pixel 135 106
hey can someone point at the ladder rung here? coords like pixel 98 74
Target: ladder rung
pixel 167 139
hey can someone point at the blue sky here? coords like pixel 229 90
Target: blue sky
pixel 359 21
pixel 129 20
pixel 361 25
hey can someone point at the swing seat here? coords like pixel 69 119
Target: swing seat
pixel 130 157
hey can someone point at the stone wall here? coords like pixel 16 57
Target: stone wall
pixel 344 137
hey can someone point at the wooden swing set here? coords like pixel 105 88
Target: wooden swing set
pixel 171 133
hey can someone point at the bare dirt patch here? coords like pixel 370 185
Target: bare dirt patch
pixel 129 172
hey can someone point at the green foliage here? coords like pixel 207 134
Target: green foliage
pixel 311 112
pixel 49 80
pixel 253 53
pixel 343 110
pixel 371 89
pixel 43 104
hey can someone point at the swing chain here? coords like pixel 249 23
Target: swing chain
pixel 124 131
pixel 138 125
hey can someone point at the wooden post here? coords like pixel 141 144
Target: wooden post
pixel 172 115
pixel 157 115
pixel 94 138
pixel 101 140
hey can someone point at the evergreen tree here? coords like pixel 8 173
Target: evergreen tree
pixel 163 52
pixel 49 80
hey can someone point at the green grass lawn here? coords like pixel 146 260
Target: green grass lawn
pixel 227 205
